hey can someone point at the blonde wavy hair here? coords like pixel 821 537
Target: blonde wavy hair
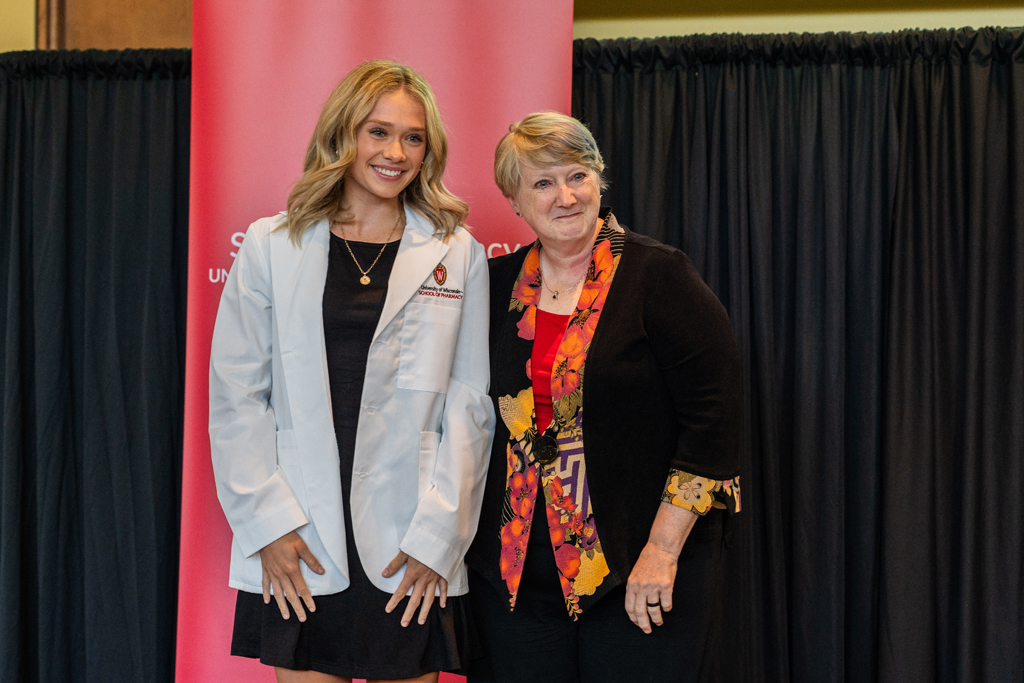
pixel 543 140
pixel 332 151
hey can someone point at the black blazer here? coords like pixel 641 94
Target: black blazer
pixel 661 390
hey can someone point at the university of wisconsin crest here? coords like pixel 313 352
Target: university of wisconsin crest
pixel 439 291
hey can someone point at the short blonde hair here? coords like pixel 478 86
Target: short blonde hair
pixel 332 151
pixel 542 140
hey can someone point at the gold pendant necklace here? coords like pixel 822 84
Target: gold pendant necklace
pixel 556 292
pixel 365 279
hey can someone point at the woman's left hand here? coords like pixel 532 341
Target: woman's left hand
pixel 649 588
pixel 423 581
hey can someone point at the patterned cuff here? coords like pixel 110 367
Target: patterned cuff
pixel 699 494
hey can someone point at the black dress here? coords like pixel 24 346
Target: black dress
pixel 350 635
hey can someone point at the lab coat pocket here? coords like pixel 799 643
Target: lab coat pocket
pixel 429 442
pixel 429 335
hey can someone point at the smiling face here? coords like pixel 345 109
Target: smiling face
pixel 560 203
pixel 390 146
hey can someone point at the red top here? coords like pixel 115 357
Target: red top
pixel 550 330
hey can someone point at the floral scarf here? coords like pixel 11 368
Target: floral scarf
pixel 582 567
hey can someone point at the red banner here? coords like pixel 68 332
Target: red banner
pixel 261 71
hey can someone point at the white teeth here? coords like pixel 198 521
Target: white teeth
pixel 386 172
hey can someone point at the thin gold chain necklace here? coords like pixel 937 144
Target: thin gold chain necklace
pixel 556 292
pixel 365 279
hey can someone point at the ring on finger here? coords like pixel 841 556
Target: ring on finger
pixel 654 605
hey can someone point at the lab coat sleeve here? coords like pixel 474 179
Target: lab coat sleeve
pixel 257 499
pixel 446 517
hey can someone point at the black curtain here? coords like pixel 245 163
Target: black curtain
pixel 857 203
pixel 93 241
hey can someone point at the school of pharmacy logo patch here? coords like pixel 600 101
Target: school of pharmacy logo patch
pixel 440 274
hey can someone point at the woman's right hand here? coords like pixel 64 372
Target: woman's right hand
pixel 282 572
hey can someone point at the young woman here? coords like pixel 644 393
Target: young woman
pixel 349 416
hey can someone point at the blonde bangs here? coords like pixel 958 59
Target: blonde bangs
pixel 543 140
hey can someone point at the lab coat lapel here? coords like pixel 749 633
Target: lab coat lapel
pixel 418 254
pixel 299 275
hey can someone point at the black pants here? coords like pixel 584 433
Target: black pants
pixel 539 642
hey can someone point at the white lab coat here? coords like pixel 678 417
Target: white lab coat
pixel 425 420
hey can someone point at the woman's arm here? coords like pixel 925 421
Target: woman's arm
pixel 696 352
pixel 649 588
pixel 258 501
pixel 446 517
pixel 693 343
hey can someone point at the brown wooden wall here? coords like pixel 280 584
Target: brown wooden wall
pixel 114 24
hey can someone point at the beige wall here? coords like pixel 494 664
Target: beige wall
pixel 17 25
pixel 644 27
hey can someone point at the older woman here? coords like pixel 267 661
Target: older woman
pixel 616 377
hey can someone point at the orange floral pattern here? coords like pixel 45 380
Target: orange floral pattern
pixel 700 494
pixel 574 538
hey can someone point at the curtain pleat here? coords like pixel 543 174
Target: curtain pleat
pixel 955 380
pixel 857 203
pixel 93 209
